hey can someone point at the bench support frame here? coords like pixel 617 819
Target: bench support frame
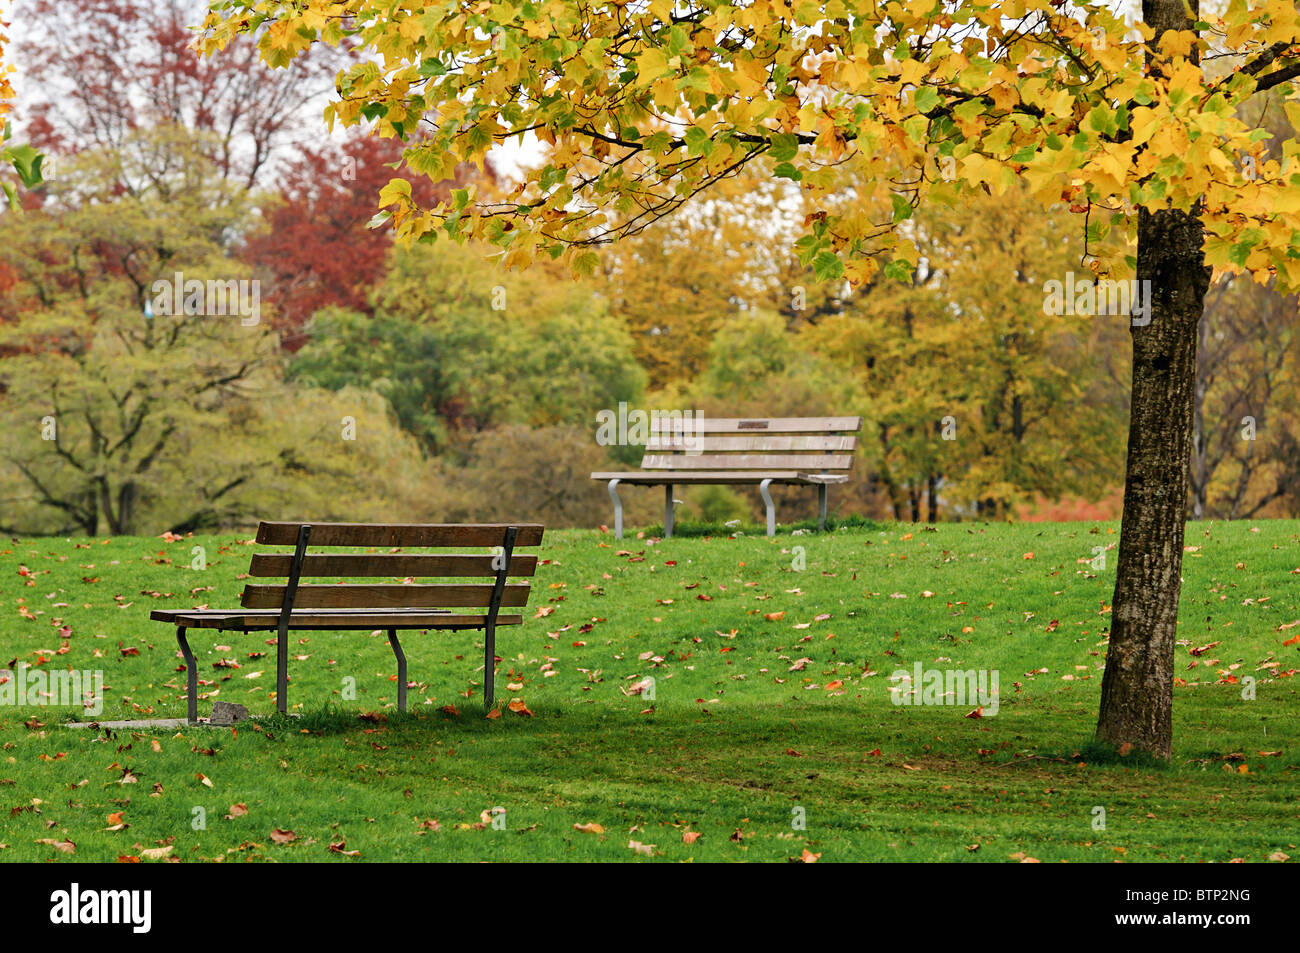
pixel 191 678
pixel 766 494
pixel 282 630
pixel 618 509
pixel 490 625
pixel 764 490
pixel 401 669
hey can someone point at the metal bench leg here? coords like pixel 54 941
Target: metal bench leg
pixel 668 511
pixel 618 509
pixel 771 507
pixel 191 678
pixel 821 507
pixel 489 664
pixel 401 669
pixel 282 671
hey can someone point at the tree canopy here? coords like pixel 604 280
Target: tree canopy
pixel 645 104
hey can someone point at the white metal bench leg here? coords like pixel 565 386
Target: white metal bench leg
pixel 821 507
pixel 618 509
pixel 771 507
pixel 668 511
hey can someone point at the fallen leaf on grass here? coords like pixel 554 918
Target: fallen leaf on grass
pixel 807 857
pixel 157 853
pixel 340 847
pixel 690 837
pixel 592 828
pixel 280 836
pixel 237 810
pixel 519 708
pixel 65 846
pixel 646 849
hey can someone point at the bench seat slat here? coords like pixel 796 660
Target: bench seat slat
pixel 678 442
pixel 416 535
pixel 743 425
pixel 385 596
pixel 746 461
pixel 395 565
pixel 254 620
pixel 730 477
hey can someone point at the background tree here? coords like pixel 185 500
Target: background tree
pixel 459 346
pixel 317 250
pixel 115 67
pixel 125 417
pixel 646 106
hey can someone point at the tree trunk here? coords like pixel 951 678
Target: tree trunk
pixel 1137 689
pixel 1200 472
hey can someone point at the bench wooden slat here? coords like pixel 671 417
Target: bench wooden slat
pixel 744 425
pixel 382 596
pixel 395 565
pixel 416 535
pixel 730 477
pixel 666 443
pixel 255 620
pixel 746 461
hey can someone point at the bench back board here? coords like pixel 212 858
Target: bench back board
pixel 393 565
pixel 822 445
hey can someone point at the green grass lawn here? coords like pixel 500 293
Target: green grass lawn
pixel 771 732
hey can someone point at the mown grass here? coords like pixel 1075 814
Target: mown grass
pixel 762 755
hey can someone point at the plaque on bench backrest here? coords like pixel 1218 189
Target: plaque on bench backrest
pixel 752 425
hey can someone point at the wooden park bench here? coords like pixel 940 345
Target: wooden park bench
pixel 799 451
pixel 442 605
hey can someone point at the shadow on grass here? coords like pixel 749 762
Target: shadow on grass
pixel 694 530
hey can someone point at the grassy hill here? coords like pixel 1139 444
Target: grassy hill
pixel 772 732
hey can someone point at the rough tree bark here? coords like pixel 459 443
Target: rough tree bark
pixel 1137 689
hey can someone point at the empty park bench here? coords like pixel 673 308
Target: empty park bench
pixel 799 451
pixel 292 606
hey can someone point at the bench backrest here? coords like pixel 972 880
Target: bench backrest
pixel 821 445
pixel 500 564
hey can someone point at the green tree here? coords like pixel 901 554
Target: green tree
pixel 125 413
pixel 459 346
